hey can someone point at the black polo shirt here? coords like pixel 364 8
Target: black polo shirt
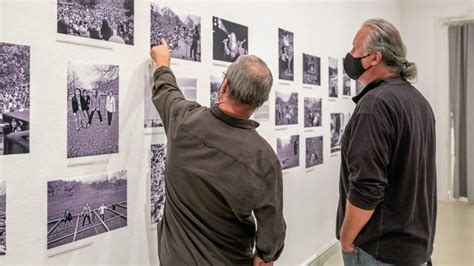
pixel 388 164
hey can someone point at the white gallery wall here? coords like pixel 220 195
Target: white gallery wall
pixel 321 28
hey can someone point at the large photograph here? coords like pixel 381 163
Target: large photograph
pixel 215 86
pixel 346 84
pixel 311 70
pixel 333 78
pixel 339 122
pixel 14 99
pixel 152 118
pixel 3 217
pixel 108 20
pixel 230 40
pixel 286 108
pixel 286 51
pixel 288 151
pixel 314 151
pixel 83 207
pixel 92 110
pixel 181 31
pixel 312 112
pixel 158 195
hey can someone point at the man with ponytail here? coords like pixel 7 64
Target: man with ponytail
pixel 387 204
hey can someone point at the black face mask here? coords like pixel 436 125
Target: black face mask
pixel 353 66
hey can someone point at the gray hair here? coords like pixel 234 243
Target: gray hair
pixel 250 81
pixel 386 39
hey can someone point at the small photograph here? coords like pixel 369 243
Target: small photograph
pixel 286 108
pixel 230 40
pixel 3 217
pixel 336 132
pixel 97 19
pixel 92 110
pixel 311 70
pixel 181 31
pixel 312 112
pixel 333 78
pixel 14 99
pixel 83 207
pixel 346 84
pixel 314 151
pixel 158 195
pixel 359 87
pixel 286 51
pixel 288 151
pixel 215 85
pixel 152 118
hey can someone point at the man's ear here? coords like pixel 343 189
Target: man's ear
pixel 377 58
pixel 224 87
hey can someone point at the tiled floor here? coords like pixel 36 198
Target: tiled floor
pixel 454 243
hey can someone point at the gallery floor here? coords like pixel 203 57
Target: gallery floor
pixel 454 244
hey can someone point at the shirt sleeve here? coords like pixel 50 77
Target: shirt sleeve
pixel 166 96
pixel 368 156
pixel 271 226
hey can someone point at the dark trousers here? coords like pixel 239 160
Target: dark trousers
pixel 92 116
pixel 109 117
pixel 88 219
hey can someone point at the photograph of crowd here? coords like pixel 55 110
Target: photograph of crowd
pixel 14 99
pixel 286 108
pixel 312 112
pixel 158 195
pixel 83 207
pixel 215 86
pixel 152 118
pixel 92 109
pixel 230 40
pixel 3 217
pixel 314 151
pixel 108 20
pixel 288 151
pixel 286 52
pixel 333 78
pixel 346 84
pixel 311 70
pixel 181 31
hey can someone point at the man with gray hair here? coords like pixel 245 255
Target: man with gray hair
pixel 387 203
pixel 221 174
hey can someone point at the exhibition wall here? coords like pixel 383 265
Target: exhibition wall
pixel 322 29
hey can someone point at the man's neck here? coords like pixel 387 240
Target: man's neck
pixel 378 74
pixel 235 110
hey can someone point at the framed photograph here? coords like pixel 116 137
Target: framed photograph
pixel 314 151
pixel 333 78
pixel 286 108
pixel 288 151
pixel 106 20
pixel 14 99
pixel 339 122
pixel 286 51
pixel 230 40
pixel 346 84
pixel 158 190
pixel 311 70
pixel 215 86
pixel 92 110
pixel 312 112
pixel 182 32
pixel 86 206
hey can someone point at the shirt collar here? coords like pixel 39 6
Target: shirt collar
pixel 232 120
pixel 374 84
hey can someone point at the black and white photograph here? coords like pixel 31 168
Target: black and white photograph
pixel 158 195
pixel 215 86
pixel 346 84
pixel 3 217
pixel 288 151
pixel 86 206
pixel 333 77
pixel 286 52
pixel 107 20
pixel 314 151
pixel 152 118
pixel 312 112
pixel 14 99
pixel 359 87
pixel 311 70
pixel 339 122
pixel 230 40
pixel 92 110
pixel 286 108
pixel 181 31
